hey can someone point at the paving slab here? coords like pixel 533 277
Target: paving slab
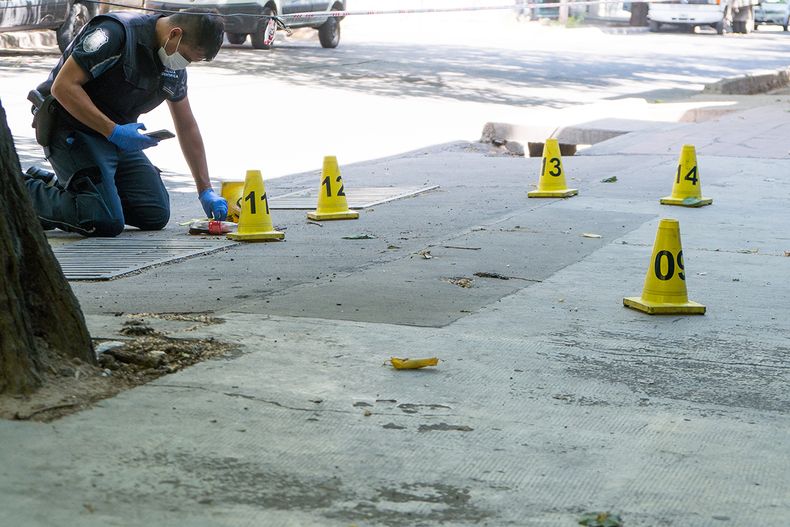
pixel 551 398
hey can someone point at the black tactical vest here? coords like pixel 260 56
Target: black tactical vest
pixel 135 84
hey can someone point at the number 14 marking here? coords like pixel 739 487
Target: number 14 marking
pixel 691 176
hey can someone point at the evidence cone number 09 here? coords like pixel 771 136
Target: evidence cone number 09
pixel 332 203
pixel 255 222
pixel 665 284
pixel 687 188
pixel 552 176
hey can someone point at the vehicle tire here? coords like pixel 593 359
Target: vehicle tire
pixel 784 26
pixel 79 14
pixel 719 27
pixel 756 26
pixel 258 37
pixel 236 38
pixel 329 33
pixel 653 26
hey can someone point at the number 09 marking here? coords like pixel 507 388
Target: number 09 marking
pixel 670 265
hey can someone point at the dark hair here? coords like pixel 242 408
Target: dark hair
pixel 203 29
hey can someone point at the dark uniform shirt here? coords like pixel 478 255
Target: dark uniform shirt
pixel 126 77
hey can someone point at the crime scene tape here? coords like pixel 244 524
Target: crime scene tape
pixel 343 14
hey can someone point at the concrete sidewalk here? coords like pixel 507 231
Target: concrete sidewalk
pixel 551 399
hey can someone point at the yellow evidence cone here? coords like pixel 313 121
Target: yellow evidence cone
pixel 552 177
pixel 232 192
pixel 665 284
pixel 332 203
pixel 687 189
pixel 255 222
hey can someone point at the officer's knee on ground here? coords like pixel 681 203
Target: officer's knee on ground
pixel 109 228
pixel 154 221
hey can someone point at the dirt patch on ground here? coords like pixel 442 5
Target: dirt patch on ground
pixel 142 356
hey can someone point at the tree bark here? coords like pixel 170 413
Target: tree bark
pixel 40 319
pixel 639 14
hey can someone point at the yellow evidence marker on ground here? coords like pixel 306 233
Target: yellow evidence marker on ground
pixel 255 222
pixel 552 176
pixel 332 203
pixel 687 188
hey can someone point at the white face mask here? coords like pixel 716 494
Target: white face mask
pixel 176 61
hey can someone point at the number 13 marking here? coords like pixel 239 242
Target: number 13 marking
pixel 557 170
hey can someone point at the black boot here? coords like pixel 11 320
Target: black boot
pixel 49 178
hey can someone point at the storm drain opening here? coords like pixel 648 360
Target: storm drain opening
pixel 536 149
pixel 358 198
pixel 108 258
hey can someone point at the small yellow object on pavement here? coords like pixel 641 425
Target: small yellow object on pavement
pixel 413 364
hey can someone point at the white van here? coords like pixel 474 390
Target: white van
pixel 242 24
pixel 722 15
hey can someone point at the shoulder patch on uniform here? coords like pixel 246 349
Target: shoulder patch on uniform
pixel 95 41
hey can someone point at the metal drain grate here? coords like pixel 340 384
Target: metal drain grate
pixel 107 258
pixel 358 198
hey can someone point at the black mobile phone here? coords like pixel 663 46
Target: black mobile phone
pixel 161 134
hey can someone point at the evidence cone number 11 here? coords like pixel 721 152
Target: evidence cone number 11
pixel 255 222
pixel 665 284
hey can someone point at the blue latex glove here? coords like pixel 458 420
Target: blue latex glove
pixel 128 138
pixel 215 206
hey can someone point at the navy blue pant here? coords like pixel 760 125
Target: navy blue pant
pixel 101 189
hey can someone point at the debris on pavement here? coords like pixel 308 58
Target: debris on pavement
pixel 425 253
pixel 212 227
pixel 461 281
pixel 591 235
pixel 497 276
pixel 601 519
pixel 612 179
pixel 359 237
pixel 412 364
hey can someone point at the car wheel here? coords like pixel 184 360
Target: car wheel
pixel 79 14
pixel 329 33
pixel 653 26
pixel 236 38
pixel 784 26
pixel 258 37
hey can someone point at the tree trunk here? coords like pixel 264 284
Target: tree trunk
pixel 40 319
pixel 639 14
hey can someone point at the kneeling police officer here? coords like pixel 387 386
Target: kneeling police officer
pixel 121 65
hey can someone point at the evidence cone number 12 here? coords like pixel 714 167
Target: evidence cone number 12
pixel 332 203
pixel 665 292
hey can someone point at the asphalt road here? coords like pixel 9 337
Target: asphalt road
pixel 403 82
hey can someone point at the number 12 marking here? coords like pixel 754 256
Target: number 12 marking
pixel 328 184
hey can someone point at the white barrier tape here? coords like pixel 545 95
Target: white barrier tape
pixel 341 14
pixel 511 7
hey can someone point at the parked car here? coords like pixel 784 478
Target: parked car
pixel 772 12
pixel 66 17
pixel 238 27
pixel 724 16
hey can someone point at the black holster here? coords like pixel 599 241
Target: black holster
pixel 45 115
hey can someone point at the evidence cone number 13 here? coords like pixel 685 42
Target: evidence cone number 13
pixel 552 177
pixel 665 292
